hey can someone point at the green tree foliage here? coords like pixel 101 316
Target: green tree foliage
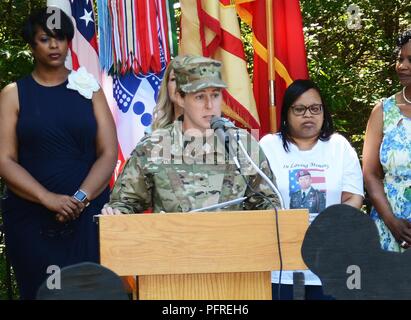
pixel 15 61
pixel 354 68
pixel 15 58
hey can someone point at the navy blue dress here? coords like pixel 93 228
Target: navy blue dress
pixel 56 134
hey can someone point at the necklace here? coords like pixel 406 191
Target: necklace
pixel 404 96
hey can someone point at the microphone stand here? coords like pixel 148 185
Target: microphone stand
pixel 239 200
pixel 261 173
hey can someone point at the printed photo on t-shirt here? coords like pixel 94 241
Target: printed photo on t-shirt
pixel 307 189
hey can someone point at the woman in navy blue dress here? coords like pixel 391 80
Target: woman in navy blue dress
pixel 58 150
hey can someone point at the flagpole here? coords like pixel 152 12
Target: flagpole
pixel 271 64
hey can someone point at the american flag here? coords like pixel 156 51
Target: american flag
pixel 317 178
pixel 131 97
pixel 83 48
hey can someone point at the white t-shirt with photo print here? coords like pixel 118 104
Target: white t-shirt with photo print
pixel 333 166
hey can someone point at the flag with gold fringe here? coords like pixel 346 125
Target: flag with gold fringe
pixel 211 28
pixel 134 50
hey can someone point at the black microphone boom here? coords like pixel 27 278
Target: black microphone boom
pixel 218 124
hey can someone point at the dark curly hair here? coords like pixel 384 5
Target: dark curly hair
pixel 293 92
pixel 39 19
pixel 403 39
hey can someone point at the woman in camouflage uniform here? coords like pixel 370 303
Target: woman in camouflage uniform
pixel 183 166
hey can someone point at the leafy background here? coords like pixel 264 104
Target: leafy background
pixel 354 68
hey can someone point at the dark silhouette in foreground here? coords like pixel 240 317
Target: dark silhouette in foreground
pixel 84 281
pixel 342 248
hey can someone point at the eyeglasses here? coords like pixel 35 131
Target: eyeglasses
pixel 300 109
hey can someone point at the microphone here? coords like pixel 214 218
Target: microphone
pixel 218 124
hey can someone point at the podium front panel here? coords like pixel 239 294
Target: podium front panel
pixel 206 286
pixel 211 242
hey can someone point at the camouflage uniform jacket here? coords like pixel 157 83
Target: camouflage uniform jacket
pixel 169 174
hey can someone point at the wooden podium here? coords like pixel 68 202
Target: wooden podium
pixel 212 255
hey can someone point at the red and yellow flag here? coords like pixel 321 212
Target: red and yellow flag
pixel 211 28
pixel 289 50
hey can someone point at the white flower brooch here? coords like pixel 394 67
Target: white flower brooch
pixel 83 82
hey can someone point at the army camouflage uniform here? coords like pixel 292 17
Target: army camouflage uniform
pixel 164 175
pixel 169 172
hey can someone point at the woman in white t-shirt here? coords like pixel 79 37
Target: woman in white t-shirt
pixel 314 167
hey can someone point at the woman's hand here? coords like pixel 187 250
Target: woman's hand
pixel 107 210
pixel 66 207
pixel 401 230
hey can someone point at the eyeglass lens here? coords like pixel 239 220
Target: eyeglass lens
pixel 302 109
